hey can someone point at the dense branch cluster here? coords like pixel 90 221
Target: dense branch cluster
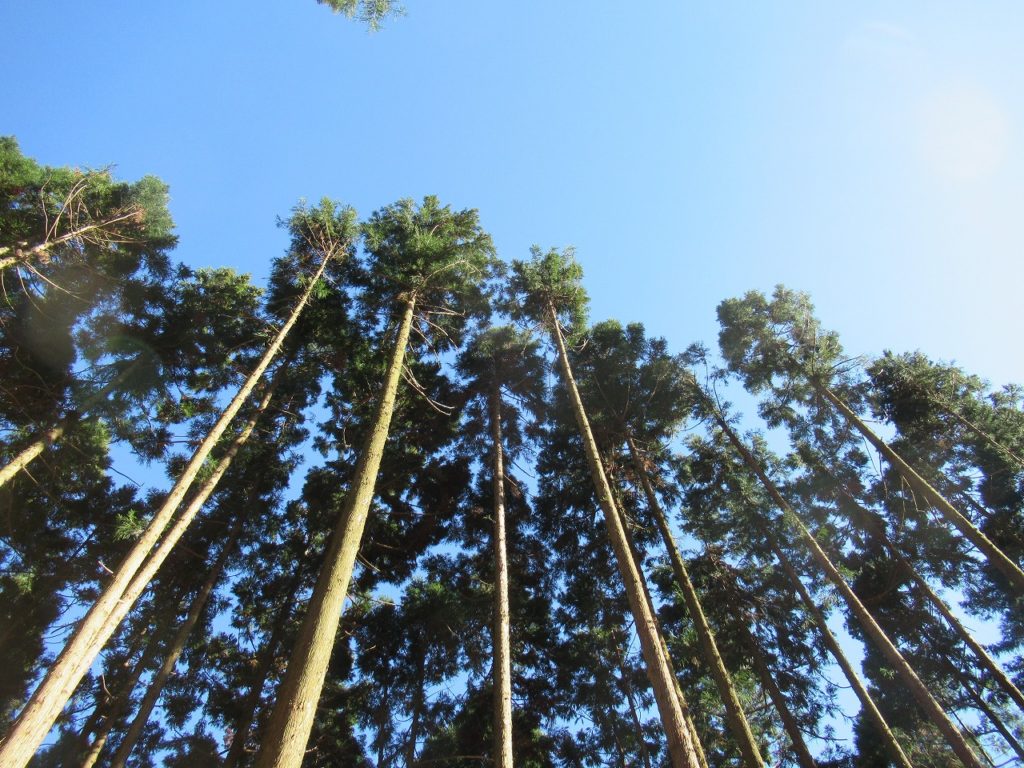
pixel 422 512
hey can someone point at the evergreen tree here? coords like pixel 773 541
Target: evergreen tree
pixel 547 291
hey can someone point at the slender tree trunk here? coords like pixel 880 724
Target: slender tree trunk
pixel 266 660
pixel 680 747
pixel 983 707
pixel 115 708
pixel 881 640
pixel 895 750
pixel 284 743
pixel 54 433
pixel 156 685
pixel 789 723
pixel 680 696
pixel 23 251
pixel 723 680
pixel 502 668
pixel 30 452
pixel 131 578
pixel 987 662
pixel 996 557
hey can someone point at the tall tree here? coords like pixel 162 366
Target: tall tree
pixel 547 291
pixel 499 360
pixel 641 396
pixel 918 689
pixel 326 233
pixel 429 259
pixel 779 345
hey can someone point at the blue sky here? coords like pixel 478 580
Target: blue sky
pixel 868 153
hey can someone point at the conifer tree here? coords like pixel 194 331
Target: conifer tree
pixel 328 236
pixel 427 259
pixel 547 291
pixel 500 359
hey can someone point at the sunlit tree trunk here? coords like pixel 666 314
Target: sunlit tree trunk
pixel 163 674
pixel 866 701
pixel 881 640
pixel 130 580
pixel 502 667
pixel 24 252
pixel 30 452
pixel 998 559
pixel 680 742
pixel 738 724
pixel 284 743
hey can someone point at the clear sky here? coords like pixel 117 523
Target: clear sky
pixel 869 153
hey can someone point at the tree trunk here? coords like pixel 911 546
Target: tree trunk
pixel 987 662
pixel 30 452
pixel 983 707
pixel 723 680
pixel 680 747
pixel 789 723
pixel 54 433
pixel 502 668
pixel 23 251
pixel 996 557
pixel 156 685
pixel 132 576
pixel 115 708
pixel 895 750
pixel 291 721
pixel 266 660
pixel 680 696
pixel 917 689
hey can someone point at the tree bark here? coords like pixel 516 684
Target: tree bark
pixel 881 640
pixel 30 452
pixel 284 743
pixel 723 680
pixel 996 557
pixel 23 251
pixel 502 668
pixel 131 578
pixel 115 708
pixel 156 685
pixel 680 747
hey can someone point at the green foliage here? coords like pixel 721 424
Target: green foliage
pixel 370 12
pixel 144 354
pixel 129 525
pixel 549 282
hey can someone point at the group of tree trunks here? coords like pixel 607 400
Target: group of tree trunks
pixel 518 539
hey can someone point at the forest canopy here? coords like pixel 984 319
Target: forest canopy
pixel 424 510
